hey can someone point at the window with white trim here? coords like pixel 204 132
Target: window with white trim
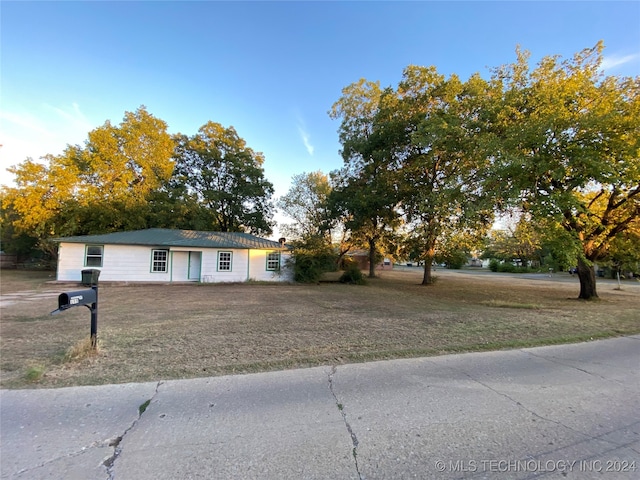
pixel 93 255
pixel 273 261
pixel 224 261
pixel 159 261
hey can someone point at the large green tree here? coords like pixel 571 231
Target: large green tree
pixel 416 153
pixel 365 193
pixel 366 207
pixel 442 158
pixel 225 179
pixel 98 187
pixel 567 150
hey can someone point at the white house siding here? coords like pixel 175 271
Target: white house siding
pixel 209 271
pixel 130 263
pixel 246 265
pixel 122 263
pixel 70 257
pixel 258 267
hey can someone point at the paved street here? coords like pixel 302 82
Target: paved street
pixel 570 411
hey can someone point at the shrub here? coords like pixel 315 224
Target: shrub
pixel 457 261
pixel 507 267
pixel 311 258
pixel 353 275
pixel 309 267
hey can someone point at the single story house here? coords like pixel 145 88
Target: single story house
pixel 165 255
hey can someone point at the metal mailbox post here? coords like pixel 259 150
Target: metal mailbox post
pixel 88 298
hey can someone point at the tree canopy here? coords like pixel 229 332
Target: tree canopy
pixel 568 140
pixel 225 178
pixel 99 187
pixel 435 157
pixel 364 192
pixel 426 164
pixel 136 175
pixel 414 157
pixel 306 204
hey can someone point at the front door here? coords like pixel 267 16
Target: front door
pixel 195 259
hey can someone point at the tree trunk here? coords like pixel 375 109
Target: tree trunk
pixel 587 276
pixel 372 258
pixel 427 278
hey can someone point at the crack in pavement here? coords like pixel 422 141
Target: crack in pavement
pixel 110 442
pixel 68 455
pixel 565 364
pixel 537 415
pixel 525 408
pixel 115 442
pixel 354 438
pixel 543 472
pixel 616 446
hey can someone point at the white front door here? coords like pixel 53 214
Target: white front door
pixel 195 259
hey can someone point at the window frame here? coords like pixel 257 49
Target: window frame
pixel 88 256
pixel 268 261
pixel 220 261
pixel 159 262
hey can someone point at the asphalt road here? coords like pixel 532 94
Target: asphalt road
pixel 570 411
pixel 564 277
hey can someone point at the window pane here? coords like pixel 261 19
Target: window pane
pixel 93 257
pixel 224 261
pixel 94 261
pixel 159 263
pixel 273 261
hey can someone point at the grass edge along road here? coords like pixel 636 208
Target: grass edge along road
pixel 161 332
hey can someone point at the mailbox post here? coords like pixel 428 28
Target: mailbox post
pixel 88 298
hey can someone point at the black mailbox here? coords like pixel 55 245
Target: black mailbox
pixel 88 298
pixel 75 299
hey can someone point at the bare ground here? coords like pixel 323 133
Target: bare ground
pixel 157 332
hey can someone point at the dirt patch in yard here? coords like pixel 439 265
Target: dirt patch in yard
pixel 157 332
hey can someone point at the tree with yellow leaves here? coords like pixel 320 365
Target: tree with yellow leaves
pixel 99 187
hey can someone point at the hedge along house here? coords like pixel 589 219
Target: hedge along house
pixel 163 255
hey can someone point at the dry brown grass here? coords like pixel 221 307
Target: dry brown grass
pixel 154 332
pixel 81 350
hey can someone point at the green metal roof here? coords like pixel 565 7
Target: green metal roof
pixel 162 237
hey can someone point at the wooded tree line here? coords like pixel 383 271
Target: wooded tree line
pixel 136 175
pixel 428 164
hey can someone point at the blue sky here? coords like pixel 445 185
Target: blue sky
pixel 270 69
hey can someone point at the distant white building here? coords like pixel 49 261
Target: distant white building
pixel 165 255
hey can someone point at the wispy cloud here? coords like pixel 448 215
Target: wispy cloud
pixel 24 121
pixel 304 135
pixel 305 139
pixel 64 120
pixel 42 130
pixel 610 62
pixel 73 116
